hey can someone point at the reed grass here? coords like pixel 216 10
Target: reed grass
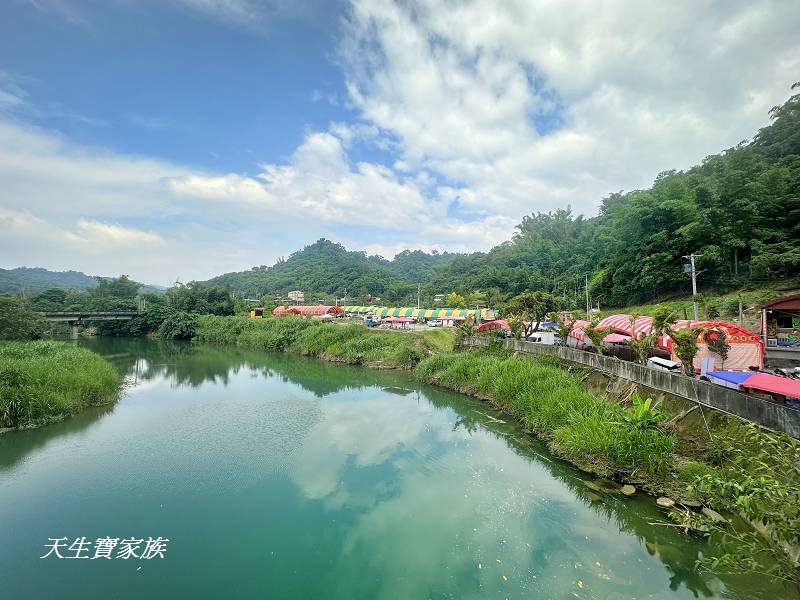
pixel 339 342
pixel 44 381
pixel 584 428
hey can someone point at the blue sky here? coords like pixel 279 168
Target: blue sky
pixel 157 79
pixel 178 139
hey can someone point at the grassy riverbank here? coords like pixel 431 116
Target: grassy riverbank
pixel 586 429
pixel 741 469
pixel 44 382
pixel 338 342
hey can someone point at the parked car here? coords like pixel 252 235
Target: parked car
pixel 435 323
pixel 372 321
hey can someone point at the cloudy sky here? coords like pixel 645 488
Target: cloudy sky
pixel 172 139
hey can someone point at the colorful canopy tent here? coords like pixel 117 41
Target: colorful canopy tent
pixel 764 382
pixel 419 313
pixel 360 309
pixel 758 382
pixel 616 338
pixel 315 311
pixel 746 348
pixel 280 311
pixel 731 379
pixel 497 324
pixel 622 324
pixel 402 321
pixel 576 337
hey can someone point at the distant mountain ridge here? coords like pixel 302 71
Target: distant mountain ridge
pixel 327 268
pixel 37 279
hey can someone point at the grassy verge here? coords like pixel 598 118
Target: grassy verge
pixel 44 382
pixel 339 342
pixel 581 427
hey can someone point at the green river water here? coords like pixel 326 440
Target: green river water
pixel 275 476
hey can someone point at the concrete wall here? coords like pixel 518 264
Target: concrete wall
pixel 776 417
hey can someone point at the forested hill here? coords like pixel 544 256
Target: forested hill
pixel 739 209
pixel 33 280
pixel 324 269
pixel 36 280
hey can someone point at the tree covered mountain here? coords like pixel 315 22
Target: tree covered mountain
pixel 739 209
pixel 33 280
pixel 324 270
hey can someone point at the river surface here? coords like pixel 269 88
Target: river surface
pixel 275 476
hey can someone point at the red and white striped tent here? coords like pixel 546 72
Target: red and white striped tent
pixel 746 347
pixel 576 337
pixel 622 324
pixel 315 311
pixel 497 324
pixel 280 311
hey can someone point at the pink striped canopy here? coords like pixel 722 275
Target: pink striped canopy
pixel 280 311
pixel 399 320
pixel 498 324
pixel 622 324
pixel 577 330
pixel 315 310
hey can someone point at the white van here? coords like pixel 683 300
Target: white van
pixel 548 338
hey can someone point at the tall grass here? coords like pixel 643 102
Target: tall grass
pixel 341 342
pixel 43 382
pixel 580 426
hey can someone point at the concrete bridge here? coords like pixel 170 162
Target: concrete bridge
pixel 76 318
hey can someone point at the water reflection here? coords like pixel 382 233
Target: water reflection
pixel 192 365
pixel 417 483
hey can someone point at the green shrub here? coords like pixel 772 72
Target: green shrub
pixel 42 382
pixel 178 326
pixel 18 321
pixel 691 471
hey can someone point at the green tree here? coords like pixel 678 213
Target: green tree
pixel 597 336
pixel 644 344
pixel 532 307
pixel 685 345
pixel 18 321
pixel 179 326
pixel 563 327
pixel 202 298
pixel 516 325
pixel 455 300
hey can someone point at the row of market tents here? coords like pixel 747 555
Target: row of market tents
pixel 746 347
pixel 387 311
pixel 421 313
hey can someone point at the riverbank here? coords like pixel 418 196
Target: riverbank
pixel 44 382
pixel 741 470
pixel 336 342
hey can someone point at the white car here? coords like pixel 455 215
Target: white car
pixel 435 323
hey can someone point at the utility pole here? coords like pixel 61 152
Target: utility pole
pixel 694 274
pixel 419 290
pixel 740 309
pixel 588 308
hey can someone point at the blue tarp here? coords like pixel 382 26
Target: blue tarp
pixel 735 377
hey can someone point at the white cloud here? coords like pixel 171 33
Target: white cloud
pixel 110 234
pixel 639 88
pixel 485 111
